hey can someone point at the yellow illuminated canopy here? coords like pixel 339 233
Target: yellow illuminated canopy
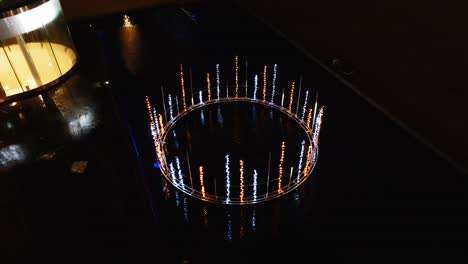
pixel 35 47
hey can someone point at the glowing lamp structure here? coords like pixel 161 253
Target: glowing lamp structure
pixel 36 49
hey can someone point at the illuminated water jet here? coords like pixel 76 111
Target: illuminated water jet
pixel 236 191
pixel 273 84
pixel 182 86
pixel 291 97
pixel 237 76
pixel 208 84
pixel 202 184
pixel 264 82
pixel 255 87
pixel 305 105
pixel 241 171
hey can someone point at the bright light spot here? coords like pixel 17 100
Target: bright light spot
pixel 127 22
pixel 29 20
pixel 82 124
pixel 156 165
pixel 11 155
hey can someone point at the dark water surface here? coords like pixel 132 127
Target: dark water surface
pixel 376 192
pixel 244 131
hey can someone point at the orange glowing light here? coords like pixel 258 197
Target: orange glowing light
pixel 201 181
pixel 155 135
pixel 182 85
pixel 308 161
pixel 161 124
pixel 264 82
pixel 148 105
pixel 208 84
pixel 47 66
pixel 291 97
pixel 309 118
pixel 241 169
pixel 280 176
pixel 237 76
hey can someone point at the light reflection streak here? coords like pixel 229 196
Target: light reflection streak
pixel 229 223
pixel 242 223
pixel 280 175
pixel 177 200
pixel 219 116
pixel 254 219
pixel 11 155
pixel 202 117
pixel 186 211
pixel 205 216
pixel 228 180
pixel 200 97
pixel 165 189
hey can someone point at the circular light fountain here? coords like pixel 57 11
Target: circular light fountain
pixel 208 168
pixel 36 49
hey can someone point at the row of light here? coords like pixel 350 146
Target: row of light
pixel 305 108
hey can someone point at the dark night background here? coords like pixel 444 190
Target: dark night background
pixel 390 183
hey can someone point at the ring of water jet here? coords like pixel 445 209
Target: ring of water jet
pixel 230 193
